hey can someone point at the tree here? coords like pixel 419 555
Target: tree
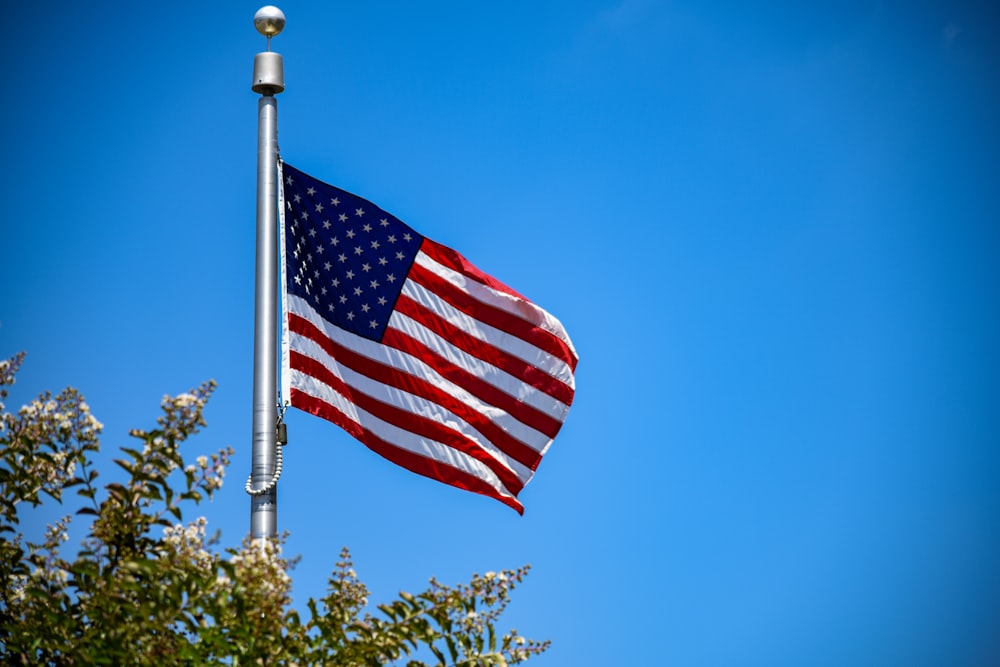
pixel 145 588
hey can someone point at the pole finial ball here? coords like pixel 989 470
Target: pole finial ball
pixel 269 20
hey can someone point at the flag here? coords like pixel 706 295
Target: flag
pixel 411 349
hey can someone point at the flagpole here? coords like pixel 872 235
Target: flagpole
pixel 268 80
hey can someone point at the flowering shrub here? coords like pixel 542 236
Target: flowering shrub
pixel 146 588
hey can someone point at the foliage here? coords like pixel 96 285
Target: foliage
pixel 145 588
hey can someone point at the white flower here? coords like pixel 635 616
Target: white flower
pixel 185 399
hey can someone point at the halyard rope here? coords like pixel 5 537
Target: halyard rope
pixel 279 445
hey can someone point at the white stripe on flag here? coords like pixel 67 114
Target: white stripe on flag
pixel 399 437
pixel 413 404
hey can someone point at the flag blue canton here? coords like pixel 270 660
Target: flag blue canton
pixel 345 256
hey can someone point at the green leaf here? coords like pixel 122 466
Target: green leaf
pixel 134 453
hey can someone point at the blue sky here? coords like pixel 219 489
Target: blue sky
pixel 771 230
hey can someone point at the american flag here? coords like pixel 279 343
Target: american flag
pixel 411 349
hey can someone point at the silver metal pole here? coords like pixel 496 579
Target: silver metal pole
pixel 268 80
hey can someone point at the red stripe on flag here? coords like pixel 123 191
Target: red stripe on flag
pixel 414 423
pixel 519 368
pixel 493 316
pixel 453 260
pixel 413 462
pixel 478 387
pixel 521 452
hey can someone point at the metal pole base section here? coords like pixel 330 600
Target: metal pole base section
pixel 264 508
